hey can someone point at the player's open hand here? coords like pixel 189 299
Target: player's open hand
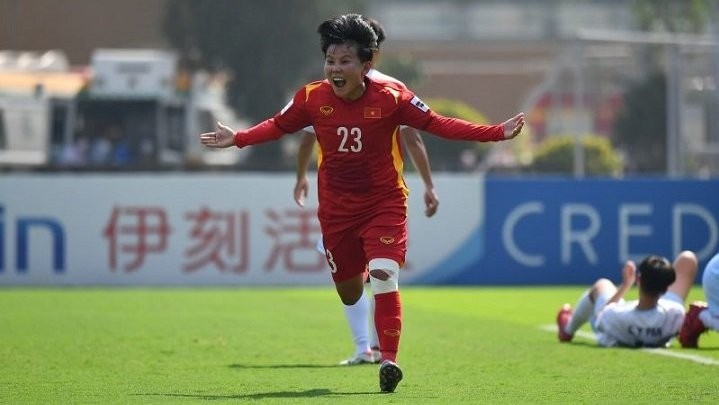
pixel 513 126
pixel 629 273
pixel 301 188
pixel 223 137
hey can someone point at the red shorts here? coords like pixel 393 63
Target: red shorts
pixel 383 236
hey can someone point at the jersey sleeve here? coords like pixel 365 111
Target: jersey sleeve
pixel 291 118
pixel 417 114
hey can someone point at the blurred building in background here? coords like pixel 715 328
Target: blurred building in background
pixel 567 64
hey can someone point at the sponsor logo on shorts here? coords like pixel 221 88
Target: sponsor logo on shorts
pixel 326 110
pixel 391 332
pixel 386 240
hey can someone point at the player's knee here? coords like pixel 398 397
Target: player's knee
pixel 686 261
pixel 600 286
pixel 383 276
pixel 350 299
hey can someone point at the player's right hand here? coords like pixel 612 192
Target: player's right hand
pixel 431 202
pixel 223 137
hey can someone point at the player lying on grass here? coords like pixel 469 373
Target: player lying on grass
pixel 703 316
pixel 651 321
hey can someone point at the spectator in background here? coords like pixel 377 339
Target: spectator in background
pixel 362 194
pixel 703 316
pixel 121 155
pixel 364 335
pixel 100 150
pixel 651 321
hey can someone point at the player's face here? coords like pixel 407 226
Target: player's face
pixel 345 71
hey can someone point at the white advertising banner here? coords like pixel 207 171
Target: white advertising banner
pixel 196 229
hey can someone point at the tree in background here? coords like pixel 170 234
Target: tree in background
pixel 402 67
pixel 455 155
pixel 556 156
pixel 267 47
pixel 640 128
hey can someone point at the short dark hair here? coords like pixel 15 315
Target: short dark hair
pixel 349 28
pixel 657 274
pixel 378 30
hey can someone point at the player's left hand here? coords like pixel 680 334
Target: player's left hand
pixel 629 273
pixel 513 126
pixel 223 137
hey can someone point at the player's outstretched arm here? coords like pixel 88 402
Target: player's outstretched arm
pixel 304 153
pixel 513 126
pixel 223 137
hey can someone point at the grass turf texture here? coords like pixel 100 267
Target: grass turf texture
pixel 459 345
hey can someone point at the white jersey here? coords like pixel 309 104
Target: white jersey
pixel 622 324
pixel 372 74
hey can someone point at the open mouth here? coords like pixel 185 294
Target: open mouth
pixel 339 82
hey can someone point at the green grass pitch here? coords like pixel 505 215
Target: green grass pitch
pixel 281 345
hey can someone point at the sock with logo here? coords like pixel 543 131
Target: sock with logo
pixel 388 321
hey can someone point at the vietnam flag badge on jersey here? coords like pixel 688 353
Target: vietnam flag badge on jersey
pixel 372 112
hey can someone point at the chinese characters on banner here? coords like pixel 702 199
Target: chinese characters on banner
pixel 216 240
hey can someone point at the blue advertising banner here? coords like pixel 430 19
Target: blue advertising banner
pixel 564 231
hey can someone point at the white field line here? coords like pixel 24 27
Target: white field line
pixel 662 352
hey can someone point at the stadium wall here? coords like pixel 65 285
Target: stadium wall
pixel 245 229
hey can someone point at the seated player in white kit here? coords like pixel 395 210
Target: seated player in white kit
pixel 651 321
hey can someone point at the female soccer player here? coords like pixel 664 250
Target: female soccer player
pixel 364 336
pixel 362 194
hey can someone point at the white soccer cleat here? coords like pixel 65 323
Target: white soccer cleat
pixel 361 358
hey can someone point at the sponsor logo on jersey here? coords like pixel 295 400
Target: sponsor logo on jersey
pixel 386 239
pixel 372 112
pixel 419 104
pixel 391 332
pixel 326 110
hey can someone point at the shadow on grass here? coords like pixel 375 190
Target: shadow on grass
pixel 279 366
pixel 313 393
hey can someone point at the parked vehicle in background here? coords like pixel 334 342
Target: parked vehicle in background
pixel 131 109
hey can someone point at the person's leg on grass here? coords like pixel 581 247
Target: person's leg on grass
pixel 384 280
pixel 685 268
pixel 710 285
pixel 346 260
pixel 699 316
pixel 586 309
pixel 357 316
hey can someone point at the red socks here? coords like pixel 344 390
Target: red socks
pixel 388 322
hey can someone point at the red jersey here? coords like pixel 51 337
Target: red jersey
pixel 360 164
